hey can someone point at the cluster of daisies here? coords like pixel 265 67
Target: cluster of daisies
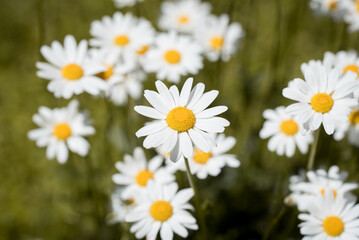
pixel 339 10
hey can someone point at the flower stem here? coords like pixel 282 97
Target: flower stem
pixel 313 151
pixel 197 200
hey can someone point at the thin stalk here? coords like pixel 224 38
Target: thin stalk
pixel 274 222
pixel 313 151
pixel 197 200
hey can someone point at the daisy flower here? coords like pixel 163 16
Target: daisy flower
pixel 351 128
pixel 304 191
pixel 165 212
pixel 145 42
pixel 219 38
pixel 61 130
pixel 135 172
pixel 323 98
pixel 183 16
pixel 173 56
pixel 330 218
pixel 327 7
pixel 181 119
pixel 284 132
pixel 351 16
pixel 125 3
pixel 70 70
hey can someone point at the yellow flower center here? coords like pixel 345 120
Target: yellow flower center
pixel 289 127
pixel 217 42
pixel 143 176
pixel 201 157
pixel 333 5
pixel 72 72
pixel 142 50
pixel 333 226
pixel 121 40
pixel 181 119
pixel 352 68
pixel 322 191
pixel 62 131
pixel 354 117
pixel 172 56
pixel 161 210
pixel 322 102
pixel 357 5
pixel 106 74
pixel 183 19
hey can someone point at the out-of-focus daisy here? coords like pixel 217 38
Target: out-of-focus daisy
pixel 331 218
pixel 219 38
pixel 125 3
pixel 61 130
pixel 284 132
pixel 323 98
pixel 181 119
pixel 303 191
pixel 351 128
pixel 351 16
pixel 135 172
pixel 70 70
pixel 183 16
pixel 165 212
pixel 173 56
pixel 328 7
pixel 145 42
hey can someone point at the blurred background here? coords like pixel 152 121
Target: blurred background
pixel 41 199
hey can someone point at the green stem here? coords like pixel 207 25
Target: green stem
pixel 313 151
pixel 274 223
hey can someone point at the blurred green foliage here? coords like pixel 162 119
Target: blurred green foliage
pixel 43 199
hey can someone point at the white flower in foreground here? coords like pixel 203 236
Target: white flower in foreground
pixel 303 192
pixel 173 56
pixel 284 133
pixel 323 98
pixel 330 218
pixel 183 16
pixel 351 128
pixel 135 172
pixel 181 119
pixel 70 70
pixel 219 38
pixel 165 212
pixel 125 3
pixel 61 130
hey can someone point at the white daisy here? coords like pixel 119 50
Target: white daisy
pixel 125 3
pixel 173 56
pixel 70 70
pixel 330 218
pixel 323 98
pixel 181 119
pixel 146 41
pixel 351 15
pixel 135 172
pixel 351 128
pixel 61 129
pixel 284 132
pixel 165 212
pixel 327 7
pixel 219 38
pixel 183 16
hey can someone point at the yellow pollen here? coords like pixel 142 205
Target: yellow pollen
pixel 143 176
pixel 201 157
pixel 106 74
pixel 121 40
pixel 322 191
pixel 181 119
pixel 142 50
pixel 322 102
pixel 217 42
pixel 62 131
pixel 72 72
pixel 333 226
pixel 289 127
pixel 183 19
pixel 354 117
pixel 172 56
pixel 161 210
pixel 352 68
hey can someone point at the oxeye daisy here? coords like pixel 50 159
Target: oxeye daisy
pixel 181 119
pixel 351 16
pixel 165 211
pixel 70 70
pixel 145 42
pixel 331 218
pixel 327 7
pixel 173 56
pixel 183 16
pixel 135 172
pixel 125 3
pixel 284 133
pixel 351 128
pixel 323 98
pixel 219 38
pixel 61 130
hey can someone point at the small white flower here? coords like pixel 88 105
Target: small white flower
pixel 183 16
pixel 135 172
pixel 126 3
pixel 181 119
pixel 61 129
pixel 323 98
pixel 284 133
pixel 328 7
pixel 351 15
pixel 219 38
pixel 165 212
pixel 351 128
pixel 70 70
pixel 173 56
